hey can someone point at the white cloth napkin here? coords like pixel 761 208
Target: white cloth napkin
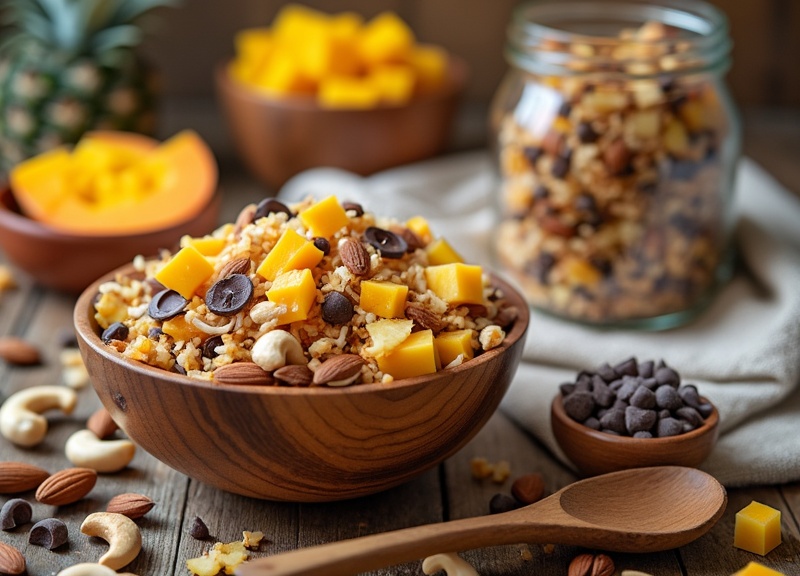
pixel 743 352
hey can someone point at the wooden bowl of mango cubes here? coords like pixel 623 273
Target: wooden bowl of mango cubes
pixel 303 443
pixel 66 238
pixel 384 115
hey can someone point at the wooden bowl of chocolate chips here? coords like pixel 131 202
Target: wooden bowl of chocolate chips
pixel 631 415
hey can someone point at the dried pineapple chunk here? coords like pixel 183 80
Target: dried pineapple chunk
pixel 387 335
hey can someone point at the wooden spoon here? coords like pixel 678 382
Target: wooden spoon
pixel 636 510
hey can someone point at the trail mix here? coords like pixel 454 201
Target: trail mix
pixel 614 180
pixel 318 293
pixel 638 399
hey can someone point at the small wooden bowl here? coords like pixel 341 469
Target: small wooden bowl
pixel 595 452
pixel 280 137
pixel 70 262
pixel 300 444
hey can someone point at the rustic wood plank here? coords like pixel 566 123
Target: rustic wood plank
pixel 53 314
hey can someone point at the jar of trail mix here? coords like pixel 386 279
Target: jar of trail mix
pixel 617 142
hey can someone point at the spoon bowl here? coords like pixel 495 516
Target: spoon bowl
pixel 637 510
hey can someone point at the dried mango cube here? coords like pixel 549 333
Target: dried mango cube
pixel 346 92
pixel 185 272
pixel 394 83
pixel 758 528
pixel 291 252
pixel 430 65
pixel 440 252
pixel 324 218
pixel 386 38
pixel 456 283
pixel 297 291
pixel 415 356
pixel 384 299
pixel 756 569
pixel 452 344
pixel 206 245
pixel 283 75
pixel 419 226
pixel 180 329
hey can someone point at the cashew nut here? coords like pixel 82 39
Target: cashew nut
pixel 87 569
pixel 121 533
pixel 451 563
pixel 20 419
pixel 276 349
pixel 86 450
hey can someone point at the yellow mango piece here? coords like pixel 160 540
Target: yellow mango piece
pixel 324 218
pixel 440 252
pixel 676 139
pixel 756 569
pixel 386 38
pixel 253 44
pixel 387 334
pixel 35 172
pixel 384 299
pixel 758 528
pixel 185 272
pixel 415 356
pixel 450 344
pixel 456 283
pixel 394 83
pixel 346 92
pixel 419 226
pixel 430 66
pixel 291 252
pixel 207 245
pixel 297 291
pixel 579 271
pixel 295 22
pixel 180 329
pixel 283 75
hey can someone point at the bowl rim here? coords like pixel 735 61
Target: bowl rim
pixel 457 74
pixel 21 224
pixel 557 412
pixel 83 328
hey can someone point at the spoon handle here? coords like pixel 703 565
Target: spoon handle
pixel 379 550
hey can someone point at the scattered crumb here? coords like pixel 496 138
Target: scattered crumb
pixel 222 557
pixel 251 540
pixel 501 472
pixel 74 371
pixel 7 281
pixel 526 554
pixel 548 548
pixel 480 468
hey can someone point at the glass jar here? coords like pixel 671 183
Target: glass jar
pixel 616 142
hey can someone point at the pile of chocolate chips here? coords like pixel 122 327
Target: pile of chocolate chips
pixel 639 399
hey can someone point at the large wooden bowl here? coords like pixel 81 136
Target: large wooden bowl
pixel 300 444
pixel 280 137
pixel 595 452
pixel 70 262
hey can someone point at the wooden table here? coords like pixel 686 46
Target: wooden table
pixel 447 492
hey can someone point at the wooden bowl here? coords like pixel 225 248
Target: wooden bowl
pixel 70 262
pixel 299 444
pixel 595 452
pixel 280 137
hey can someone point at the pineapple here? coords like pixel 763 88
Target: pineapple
pixel 70 67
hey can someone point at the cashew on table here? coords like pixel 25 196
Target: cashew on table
pixel 452 564
pixel 121 533
pixel 86 450
pixel 20 416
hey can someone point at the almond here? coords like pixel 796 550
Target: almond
pixel 102 424
pixel 294 375
pixel 66 486
pixel 18 351
pixel 238 266
pixel 245 217
pixel 20 477
pixel 11 560
pixel 242 374
pixel 424 317
pixel 616 157
pixel 130 504
pixel 338 368
pixel 355 257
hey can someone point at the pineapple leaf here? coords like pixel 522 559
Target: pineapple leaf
pixel 123 36
pixel 130 10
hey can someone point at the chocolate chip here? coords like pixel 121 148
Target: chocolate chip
pixel 668 398
pixel 198 530
pixel 669 427
pixel 388 243
pixel 337 308
pixel 322 244
pixel 586 133
pixel 210 345
pixel 607 373
pixel 650 383
pixel 541 192
pixel 49 533
pixel 155 333
pixel 566 388
pixel 579 405
pixel 614 420
pixel 561 165
pixel 592 422
pixel 116 331
pixel 638 419
pixel 540 268
pixel 690 415
pixel 532 153
pixel 528 489
pixel 585 202
pixel 502 503
pixel 642 434
pixel 705 409
pixel 166 304
pixel 602 394
pixel 690 396
pixel 565 109
pixel 14 513
pixel 229 295
pixel 354 206
pixel 271 206
pixel 627 367
pixel 643 398
pixel 647 369
pixel 628 388
pixel 669 376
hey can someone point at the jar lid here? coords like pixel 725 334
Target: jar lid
pixel 636 38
